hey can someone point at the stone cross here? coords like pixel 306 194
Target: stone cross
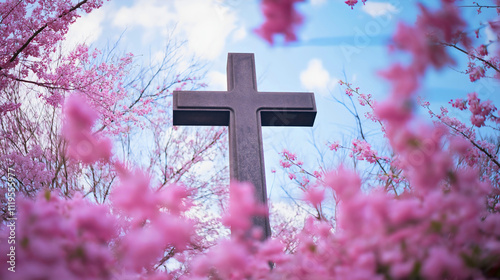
pixel 245 110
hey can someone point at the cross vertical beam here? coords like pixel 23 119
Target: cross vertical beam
pixel 245 110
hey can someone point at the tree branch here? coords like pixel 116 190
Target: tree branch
pixel 476 57
pixel 30 39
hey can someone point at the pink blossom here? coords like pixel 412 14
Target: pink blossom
pixel 280 18
pixel 82 143
pixel 404 80
pixel 175 198
pixel 142 246
pixel 344 182
pixel 480 110
pixel 459 103
pixel 314 195
pixel 441 262
pixel 61 239
pixel 272 250
pixel 55 99
pixel 7 107
pixel 285 164
pixel 416 41
pixel 334 146
pixel 459 145
pixel 305 181
pixel 353 2
pixel 477 120
pixel 476 73
pixel 242 207
pixel 395 110
pixel 364 99
pixel 474 103
pixel 288 155
pixel 363 151
pixel 229 260
pixel 133 196
pixel 482 50
pixel 31 170
pixel 423 102
pixel 444 24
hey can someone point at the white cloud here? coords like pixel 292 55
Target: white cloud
pixel 206 28
pixel 206 24
pixel 216 80
pixel 240 34
pixel 316 77
pixel 145 13
pixel 86 29
pixel 318 2
pixel 377 9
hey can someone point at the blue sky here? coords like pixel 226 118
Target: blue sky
pixel 334 42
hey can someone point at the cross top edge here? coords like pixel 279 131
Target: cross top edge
pixel 241 71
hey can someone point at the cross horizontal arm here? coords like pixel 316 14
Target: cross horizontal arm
pixel 201 99
pixel 287 100
pixel 201 108
pixel 201 117
pixel 287 108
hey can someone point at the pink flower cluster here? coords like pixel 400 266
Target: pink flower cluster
pixel 154 221
pixel 334 146
pixel 7 107
pixel 289 155
pixel 76 239
pixel 376 236
pixel 77 129
pixel 242 207
pixel 55 100
pixel 351 3
pixel 482 50
pixel 480 110
pixel 445 26
pixel 102 86
pixel 32 39
pixel 285 163
pixel 409 237
pixel 290 159
pixel 280 18
pixel 476 73
pixel 362 150
pixel 364 99
pixel 61 239
pixel 32 173
pixel 314 195
pixel 458 103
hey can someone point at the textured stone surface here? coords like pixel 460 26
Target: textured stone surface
pixel 245 110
